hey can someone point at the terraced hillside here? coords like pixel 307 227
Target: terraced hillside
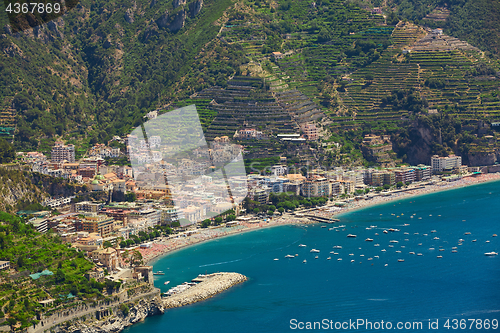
pixel 245 102
pixel 446 73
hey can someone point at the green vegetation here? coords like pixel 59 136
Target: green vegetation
pixel 32 252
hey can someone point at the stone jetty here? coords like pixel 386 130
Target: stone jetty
pixel 209 286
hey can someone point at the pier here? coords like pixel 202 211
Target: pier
pixel 201 288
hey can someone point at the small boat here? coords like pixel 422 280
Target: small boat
pixel 339 259
pixel 487 241
pixel 494 235
pixel 335 253
pixel 166 282
pixel 398 251
pixel 361 255
pixel 441 249
pixel 436 238
pixel 337 247
pixel 289 256
pixel 411 217
pixel 412 252
pixel 376 257
pixel 393 241
pixel 386 232
pixel 439 257
pixel 432 231
pixel 296 255
pixel 386 265
pixel 416 233
pixel 490 254
pixel 454 248
pixel 275 259
pixel 402 246
pixel 406 224
pixel 368 240
pixel 474 240
pixel 419 218
pixel 461 240
pixel 376 234
pixel 431 248
pixel 467 233
pixel 302 245
pixel 304 261
pixel 383 250
pixel 425 234
pixel 159 273
pixel 329 258
pixel 401 260
pixel 454 251
pixel 332 252
pixel 314 250
pixel 351 236
pixel 351 254
pixel 419 244
pixel 419 254
pixel 406 233
pixel 373 226
pixel 316 257
pixel 323 226
pixel 352 260
pixel 376 245
pixel 391 245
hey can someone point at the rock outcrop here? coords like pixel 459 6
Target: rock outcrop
pixel 162 21
pixel 178 21
pixel 195 7
pixel 116 322
pixel 177 3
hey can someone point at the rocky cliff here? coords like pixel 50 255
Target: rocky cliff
pixel 117 321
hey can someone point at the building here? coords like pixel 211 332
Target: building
pixel 4 265
pixel 88 207
pixel 310 131
pixel 168 215
pixel 279 170
pixel 422 172
pixel 107 257
pixel 278 55
pixel 260 195
pixel 40 224
pixel 440 164
pixel 316 186
pixel 405 175
pixel 60 153
pixel 101 224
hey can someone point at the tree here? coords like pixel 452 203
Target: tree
pixel 378 189
pixel 281 210
pixel 387 186
pixel 230 217
pixel 135 258
pixel 107 244
pixel 130 197
pixel 123 244
pixel 218 220
pixel 399 184
pixel 256 211
pixel 205 223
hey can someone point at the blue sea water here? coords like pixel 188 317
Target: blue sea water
pixel 459 289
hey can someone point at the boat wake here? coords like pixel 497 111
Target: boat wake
pixel 220 263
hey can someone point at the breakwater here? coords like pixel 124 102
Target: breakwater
pixel 209 286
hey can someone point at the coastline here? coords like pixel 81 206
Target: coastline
pixel 166 246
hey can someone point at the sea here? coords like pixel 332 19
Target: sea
pixel 429 276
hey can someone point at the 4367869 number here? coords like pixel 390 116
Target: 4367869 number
pixel 470 324
pixel 33 7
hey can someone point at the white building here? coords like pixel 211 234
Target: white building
pixel 439 164
pixel 279 170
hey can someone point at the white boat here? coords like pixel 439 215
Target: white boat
pixel 454 248
pixel 431 248
pixel 419 254
pixel 304 261
pixel 454 251
pixel 439 257
pixel 166 282
pixel 275 259
pixel 376 245
pixel 339 259
pixel 351 236
pixel 467 233
pixel 490 254
pixel 296 255
pixel 159 273
pixel 386 232
pixel 376 257
pixel 352 260
pixel 412 252
pixel 401 260
pixel 441 249
pixel 335 253
pixel 436 238
pixel 289 256
pixel 337 247
pixel 391 245
pixel 398 251
pixel 328 258
pixel 486 242
pixel 383 250
pixel 393 241
pixel 302 245
pixel 474 240
pixel 406 233
pixel 314 250
pixel 402 246
pixel 368 240
pixel 373 226
pixel 386 265
pixel 433 231
pixel 361 255
pixel 316 257
pixel 351 254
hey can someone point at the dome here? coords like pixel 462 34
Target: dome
pixel 95 182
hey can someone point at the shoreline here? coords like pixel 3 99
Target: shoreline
pixel 163 247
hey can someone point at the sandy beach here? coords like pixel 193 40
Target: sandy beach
pixel 163 246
